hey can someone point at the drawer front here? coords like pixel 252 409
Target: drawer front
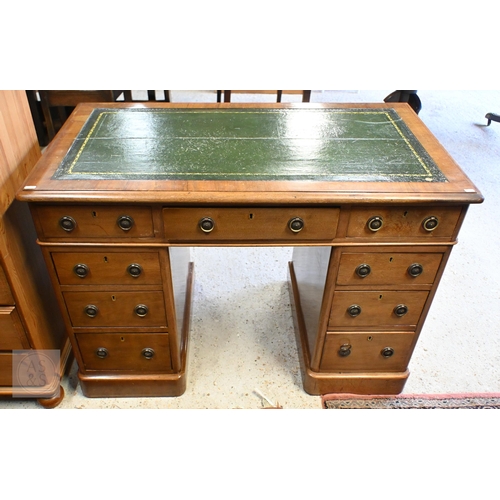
pixel 107 268
pixel 239 224
pixel 95 221
pixel 120 309
pixel 375 309
pixel 388 268
pixel 367 352
pixel 140 352
pixel 403 222
pixel 6 298
pixel 12 334
pixel 5 369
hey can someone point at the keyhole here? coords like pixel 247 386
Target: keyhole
pixel 370 338
pixel 122 339
pixel 390 260
pixel 250 216
pixel 94 214
pixel 113 298
pixel 405 214
pixel 379 297
pixel 106 260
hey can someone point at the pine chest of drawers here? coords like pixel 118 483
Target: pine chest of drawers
pixel 370 201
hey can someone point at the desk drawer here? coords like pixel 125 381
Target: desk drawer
pixel 376 309
pixel 388 268
pixel 107 268
pixel 142 352
pixel 403 222
pixel 367 352
pixel 6 298
pixel 120 309
pixel 12 334
pixel 95 221
pixel 254 223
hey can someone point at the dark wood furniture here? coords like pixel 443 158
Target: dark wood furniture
pixel 368 198
pixel 29 316
pixel 306 94
pixel 51 108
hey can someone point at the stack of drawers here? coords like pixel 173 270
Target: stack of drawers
pixel 382 277
pixel 13 335
pixel 115 292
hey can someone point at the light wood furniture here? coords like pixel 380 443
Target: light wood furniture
pixel 368 198
pixel 29 316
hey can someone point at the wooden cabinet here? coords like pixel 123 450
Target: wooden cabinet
pixel 370 201
pixel 29 317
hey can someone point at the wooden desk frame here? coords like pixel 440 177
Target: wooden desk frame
pixel 315 271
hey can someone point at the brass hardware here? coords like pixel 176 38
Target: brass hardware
pixel 91 311
pixel 135 270
pixel 415 270
pixel 67 223
pixel 296 224
pixel 125 222
pixel 207 224
pixel 430 223
pixel 375 223
pixel 345 350
pixel 102 352
pixel 354 310
pixel 387 352
pixel 81 270
pixel 400 310
pixel 148 353
pixel 141 310
pixel 363 270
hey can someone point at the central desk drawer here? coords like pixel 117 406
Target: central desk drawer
pixel 95 221
pixel 107 268
pixel 375 309
pixel 135 352
pixel 120 309
pixel 253 223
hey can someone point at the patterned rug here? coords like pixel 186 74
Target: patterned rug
pixel 479 401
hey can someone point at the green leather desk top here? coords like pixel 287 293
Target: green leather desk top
pixel 308 144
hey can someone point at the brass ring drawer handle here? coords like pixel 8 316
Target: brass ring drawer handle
pixel 375 223
pixel 141 310
pixel 148 353
pixel 387 352
pixel 400 310
pixel 125 222
pixel 415 270
pixel 207 224
pixel 296 224
pixel 81 270
pixel 67 223
pixel 363 270
pixel 135 270
pixel 91 310
pixel 430 223
pixel 354 310
pixel 102 352
pixel 345 350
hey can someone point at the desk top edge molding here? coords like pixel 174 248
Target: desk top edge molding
pixel 41 187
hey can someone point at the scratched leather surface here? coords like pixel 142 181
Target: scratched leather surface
pixel 248 144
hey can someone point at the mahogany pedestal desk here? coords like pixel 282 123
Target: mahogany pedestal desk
pixel 368 198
